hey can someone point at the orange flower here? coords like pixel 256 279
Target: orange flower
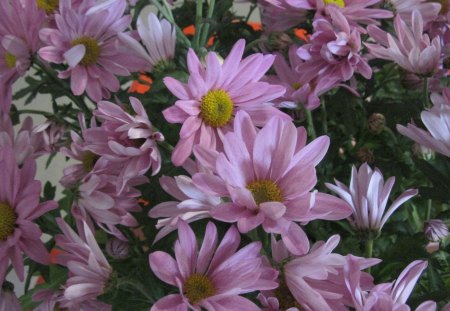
pixel 255 26
pixel 142 85
pixel 190 32
pixel 143 202
pixel 302 34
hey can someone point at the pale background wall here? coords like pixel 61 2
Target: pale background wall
pixel 54 172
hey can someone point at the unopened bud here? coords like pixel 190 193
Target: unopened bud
pixel 117 249
pixel 423 152
pixel 435 230
pixel 279 41
pixel 376 123
pixel 364 154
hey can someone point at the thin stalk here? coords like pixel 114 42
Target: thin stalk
pixel 429 206
pixel 425 93
pixel 32 111
pixel 323 110
pixel 198 24
pixel 310 124
pixel 138 286
pixel 369 250
pixel 166 145
pixel 205 30
pixel 252 8
pixel 253 44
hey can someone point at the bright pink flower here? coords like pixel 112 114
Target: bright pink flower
pixel 20 22
pixel 412 49
pixel 26 143
pixel 125 139
pixel 192 204
pixel 88 42
pixel 386 296
pixel 333 52
pixel 368 195
pixel 267 177
pixel 19 207
pixel 314 280
pixel 99 202
pixel 158 36
pixel 437 123
pixel 214 277
pixel 215 93
pixel 89 271
pixel 8 300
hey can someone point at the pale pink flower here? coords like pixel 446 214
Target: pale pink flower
pixel 368 195
pixel 386 296
pixel 436 230
pixel 437 122
pixel 159 38
pixel 411 49
pixel 19 207
pixel 214 277
pixel 52 133
pixel 89 271
pixel 98 201
pixel 88 43
pixel 267 177
pixel 8 300
pixel 214 93
pixel 313 280
pixel 333 51
pixel 26 143
pixel 52 300
pixel 280 15
pixel 20 22
pixel 126 140
pixel 428 9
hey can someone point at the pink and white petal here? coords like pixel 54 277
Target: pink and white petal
pixel 296 240
pixel 172 302
pixel 164 267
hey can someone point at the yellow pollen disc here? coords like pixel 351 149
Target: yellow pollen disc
pixel 197 288
pixel 88 161
pixel 92 50
pixel 7 221
pixel 285 298
pixel 10 60
pixel 216 108
pixel 48 5
pixel 339 3
pixel 296 85
pixel 265 191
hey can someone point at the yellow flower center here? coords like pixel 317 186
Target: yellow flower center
pixel 10 60
pixel 92 50
pixel 265 191
pixel 7 221
pixel 285 298
pixel 88 161
pixel 296 85
pixel 339 3
pixel 216 108
pixel 197 288
pixel 49 6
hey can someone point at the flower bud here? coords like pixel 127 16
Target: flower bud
pixel 423 152
pixel 376 123
pixel 8 300
pixel 435 230
pixel 364 154
pixel 279 41
pixel 117 249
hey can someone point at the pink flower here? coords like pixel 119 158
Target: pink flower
pixel 8 300
pixel 52 132
pixel 215 93
pixel 436 230
pixel 313 280
pixel 98 201
pixel 280 15
pixel 404 9
pixel 125 139
pixel 386 296
pixel 88 42
pixel 437 123
pixel 89 271
pixel 158 36
pixel 267 178
pixel 334 51
pixel 214 277
pixel 20 22
pixel 19 207
pixel 368 195
pixel 52 300
pixel 412 49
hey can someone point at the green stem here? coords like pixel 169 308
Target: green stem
pixel 166 146
pixel 252 44
pixel 32 111
pixel 310 124
pixel 369 250
pixel 252 8
pixel 429 206
pixel 138 286
pixel 425 93
pixel 323 110
pixel 198 24
pixel 205 30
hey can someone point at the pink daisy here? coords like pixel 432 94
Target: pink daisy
pixel 412 50
pixel 89 271
pixel 19 207
pixel 368 195
pixel 214 277
pixel 404 8
pixel 267 177
pixel 386 296
pixel 314 280
pixel 215 93
pixel 20 22
pixel 88 43
pixel 53 300
pixel 436 120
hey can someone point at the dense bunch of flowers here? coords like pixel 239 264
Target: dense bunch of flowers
pixel 199 149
